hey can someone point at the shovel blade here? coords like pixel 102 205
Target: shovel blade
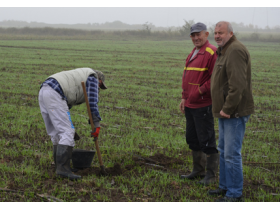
pixel 103 171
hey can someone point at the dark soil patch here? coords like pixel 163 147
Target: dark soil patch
pixel 251 189
pixel 111 171
pixel 19 197
pixel 47 182
pixel 8 159
pixel 157 160
pixel 165 160
pixel 129 166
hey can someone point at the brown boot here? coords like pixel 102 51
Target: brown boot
pixel 211 168
pixel 199 162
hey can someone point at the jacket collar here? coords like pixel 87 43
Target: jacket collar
pixel 202 49
pixel 223 50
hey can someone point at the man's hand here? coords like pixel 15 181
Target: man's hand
pixel 182 106
pixel 224 114
pixel 95 133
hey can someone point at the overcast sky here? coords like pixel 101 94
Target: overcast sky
pixel 159 16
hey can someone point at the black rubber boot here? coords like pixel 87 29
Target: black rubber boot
pixel 199 162
pixel 63 156
pixel 211 169
pixel 54 155
pixel 54 159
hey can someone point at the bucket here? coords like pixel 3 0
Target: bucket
pixel 82 158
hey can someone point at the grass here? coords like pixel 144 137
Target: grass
pixel 140 115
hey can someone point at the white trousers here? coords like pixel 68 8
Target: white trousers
pixel 56 115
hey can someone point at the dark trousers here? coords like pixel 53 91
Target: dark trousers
pixel 200 133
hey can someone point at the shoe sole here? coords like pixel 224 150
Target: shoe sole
pixel 72 179
pixel 217 194
pixel 206 184
pixel 192 178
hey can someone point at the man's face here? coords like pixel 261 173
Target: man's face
pixel 199 38
pixel 221 34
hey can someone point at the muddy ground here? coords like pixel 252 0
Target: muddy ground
pixel 89 191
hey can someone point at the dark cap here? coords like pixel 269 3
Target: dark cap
pixel 198 27
pixel 102 78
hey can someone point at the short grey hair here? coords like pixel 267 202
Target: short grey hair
pixel 229 26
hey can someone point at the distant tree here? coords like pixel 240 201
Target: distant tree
pixel 211 29
pixel 186 28
pixel 234 25
pixel 277 28
pixel 241 25
pixel 251 26
pixel 255 36
pixel 147 27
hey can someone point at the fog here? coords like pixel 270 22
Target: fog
pixel 159 16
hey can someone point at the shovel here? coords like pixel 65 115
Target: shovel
pixel 103 172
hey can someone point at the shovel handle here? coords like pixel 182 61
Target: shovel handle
pixel 92 125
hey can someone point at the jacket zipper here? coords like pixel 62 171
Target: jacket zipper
pixel 186 67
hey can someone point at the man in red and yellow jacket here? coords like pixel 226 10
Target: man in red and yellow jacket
pixel 196 104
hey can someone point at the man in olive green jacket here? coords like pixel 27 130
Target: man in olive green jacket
pixel 232 103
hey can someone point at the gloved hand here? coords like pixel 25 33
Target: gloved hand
pixel 95 133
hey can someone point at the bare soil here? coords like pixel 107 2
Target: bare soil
pixel 48 182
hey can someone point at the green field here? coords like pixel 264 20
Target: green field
pixel 140 118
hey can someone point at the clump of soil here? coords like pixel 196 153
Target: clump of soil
pixel 88 171
pixel 115 170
